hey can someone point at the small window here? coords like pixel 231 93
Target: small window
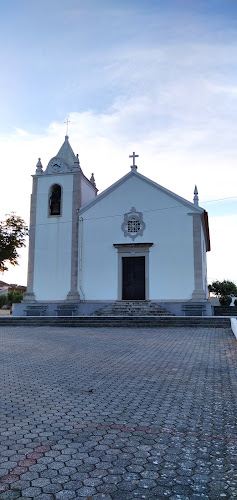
pixel 55 200
pixel 133 226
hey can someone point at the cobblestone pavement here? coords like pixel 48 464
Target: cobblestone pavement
pixel 118 414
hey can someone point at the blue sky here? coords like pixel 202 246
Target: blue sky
pixel 155 77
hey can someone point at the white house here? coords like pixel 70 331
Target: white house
pixel 135 241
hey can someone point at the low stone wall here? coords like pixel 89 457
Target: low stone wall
pixel 225 311
pixel 83 308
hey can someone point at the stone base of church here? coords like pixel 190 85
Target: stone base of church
pixel 73 297
pixel 86 308
pixel 198 296
pixel 29 297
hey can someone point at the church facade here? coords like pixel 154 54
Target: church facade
pixel 134 241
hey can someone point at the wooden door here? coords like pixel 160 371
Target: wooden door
pixel 133 278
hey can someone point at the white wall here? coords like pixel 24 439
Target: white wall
pixel 168 227
pixel 52 269
pixel 87 191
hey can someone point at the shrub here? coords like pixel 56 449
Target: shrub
pixel 3 300
pixel 225 301
pixel 235 302
pixel 14 297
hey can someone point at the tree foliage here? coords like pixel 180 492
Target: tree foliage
pixel 224 290
pixel 14 297
pixel 225 300
pixel 12 237
pixel 3 300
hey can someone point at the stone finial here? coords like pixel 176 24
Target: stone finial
pixel 92 180
pixel 39 167
pixel 195 199
pixel 77 162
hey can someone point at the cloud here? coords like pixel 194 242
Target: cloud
pixel 226 90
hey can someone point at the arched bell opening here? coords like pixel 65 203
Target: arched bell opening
pixel 55 200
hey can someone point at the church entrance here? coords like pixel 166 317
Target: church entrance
pixel 133 278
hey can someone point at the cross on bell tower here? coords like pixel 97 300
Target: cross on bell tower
pixel 133 156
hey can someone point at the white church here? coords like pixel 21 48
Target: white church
pixel 135 241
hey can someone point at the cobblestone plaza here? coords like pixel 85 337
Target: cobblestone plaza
pixel 118 413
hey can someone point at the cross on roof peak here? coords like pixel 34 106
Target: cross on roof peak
pixel 133 156
pixel 67 122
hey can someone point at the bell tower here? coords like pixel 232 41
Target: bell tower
pixel 58 193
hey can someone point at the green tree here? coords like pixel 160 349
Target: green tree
pixel 12 237
pixel 14 297
pixel 224 290
pixel 3 300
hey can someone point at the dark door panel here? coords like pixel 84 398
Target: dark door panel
pixel 133 278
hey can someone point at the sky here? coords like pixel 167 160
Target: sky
pixel 158 77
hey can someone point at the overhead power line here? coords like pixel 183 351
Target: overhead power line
pixel 144 211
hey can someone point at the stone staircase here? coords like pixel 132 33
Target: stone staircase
pixel 132 308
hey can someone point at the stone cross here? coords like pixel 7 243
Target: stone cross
pixel 67 122
pixel 133 156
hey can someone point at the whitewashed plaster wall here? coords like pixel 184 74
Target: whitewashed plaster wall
pixel 87 191
pixel 168 227
pixel 52 265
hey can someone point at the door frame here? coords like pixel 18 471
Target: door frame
pixel 132 250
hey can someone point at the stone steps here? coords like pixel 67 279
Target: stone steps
pixel 132 308
pixel 117 321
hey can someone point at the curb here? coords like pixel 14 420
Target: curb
pixel 118 321
pixel 233 322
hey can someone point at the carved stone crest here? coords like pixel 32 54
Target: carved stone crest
pixel 133 224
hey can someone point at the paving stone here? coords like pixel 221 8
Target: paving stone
pixel 86 491
pixel 52 488
pixel 10 495
pixel 65 495
pixel 101 496
pixel 45 496
pixel 128 485
pixel 21 484
pixel 122 495
pixel 40 482
pixel 58 479
pixel 142 494
pixel 99 473
pixel 30 492
pixel 49 473
pixel 30 475
pixel 107 488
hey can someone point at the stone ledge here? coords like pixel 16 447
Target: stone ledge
pixel 118 322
